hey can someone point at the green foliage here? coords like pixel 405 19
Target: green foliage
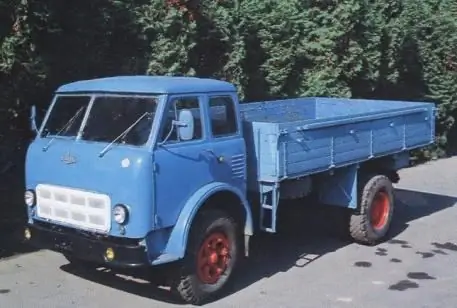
pixel 20 64
pixel 268 48
pixel 171 38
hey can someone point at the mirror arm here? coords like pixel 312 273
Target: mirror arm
pixel 34 127
pixel 179 124
pixel 168 135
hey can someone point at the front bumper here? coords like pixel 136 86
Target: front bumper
pixel 126 253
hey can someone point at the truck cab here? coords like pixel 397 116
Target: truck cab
pixel 121 166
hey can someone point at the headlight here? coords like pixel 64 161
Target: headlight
pixel 29 198
pixel 120 214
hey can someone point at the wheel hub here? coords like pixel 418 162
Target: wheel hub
pixel 213 258
pixel 380 210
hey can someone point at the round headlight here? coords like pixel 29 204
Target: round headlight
pixel 120 214
pixel 29 198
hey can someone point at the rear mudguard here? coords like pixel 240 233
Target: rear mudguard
pixel 176 246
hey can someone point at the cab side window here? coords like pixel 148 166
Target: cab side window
pixel 223 116
pixel 172 113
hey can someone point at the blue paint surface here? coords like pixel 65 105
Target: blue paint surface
pixel 289 139
pixel 340 188
pixel 165 185
pixel 176 245
pixel 148 85
pixel 98 174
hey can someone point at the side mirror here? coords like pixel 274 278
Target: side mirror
pixel 33 125
pixel 185 125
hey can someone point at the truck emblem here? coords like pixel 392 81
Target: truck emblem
pixel 68 159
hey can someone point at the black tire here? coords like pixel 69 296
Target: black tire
pixel 189 285
pixel 364 228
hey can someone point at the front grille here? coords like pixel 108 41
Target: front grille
pixel 78 208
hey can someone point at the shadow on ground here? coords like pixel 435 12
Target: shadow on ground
pixel 12 210
pixel 305 235
pixel 11 240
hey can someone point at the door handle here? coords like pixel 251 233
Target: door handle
pixel 219 159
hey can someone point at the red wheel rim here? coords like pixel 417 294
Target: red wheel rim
pixel 213 258
pixel 380 210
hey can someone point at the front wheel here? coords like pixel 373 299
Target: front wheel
pixel 370 223
pixel 211 257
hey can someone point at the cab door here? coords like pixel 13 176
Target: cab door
pixel 226 140
pixel 181 166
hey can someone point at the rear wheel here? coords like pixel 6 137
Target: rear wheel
pixel 370 223
pixel 211 257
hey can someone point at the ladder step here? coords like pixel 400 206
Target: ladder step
pixel 269 204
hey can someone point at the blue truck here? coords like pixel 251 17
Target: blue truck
pixel 142 171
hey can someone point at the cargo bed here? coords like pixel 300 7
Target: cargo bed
pixel 297 137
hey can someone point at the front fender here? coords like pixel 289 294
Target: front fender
pixel 176 246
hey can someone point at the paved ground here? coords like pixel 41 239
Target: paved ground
pixel 417 268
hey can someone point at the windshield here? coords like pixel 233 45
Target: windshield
pixel 108 118
pixel 66 116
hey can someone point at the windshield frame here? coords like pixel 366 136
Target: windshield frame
pixel 93 95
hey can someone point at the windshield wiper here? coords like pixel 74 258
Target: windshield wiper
pixel 123 134
pixel 65 127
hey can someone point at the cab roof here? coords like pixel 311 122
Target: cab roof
pixel 148 85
